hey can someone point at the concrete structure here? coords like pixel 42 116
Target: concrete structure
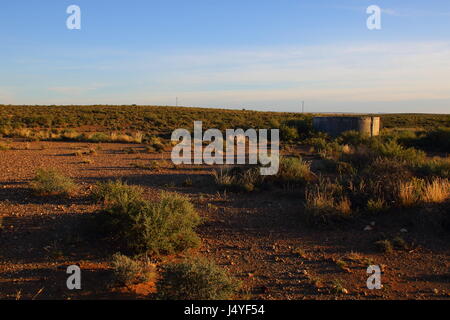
pixel 334 126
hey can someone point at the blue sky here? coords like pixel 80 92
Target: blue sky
pixel 254 54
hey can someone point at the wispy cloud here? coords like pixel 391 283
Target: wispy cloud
pixel 76 90
pixel 351 74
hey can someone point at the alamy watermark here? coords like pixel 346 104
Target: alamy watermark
pixel 73 22
pixel 73 282
pixel 237 147
pixel 374 280
pixel 374 20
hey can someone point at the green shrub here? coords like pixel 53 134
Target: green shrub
pixel 437 140
pixel 116 192
pixel 50 181
pixel 288 133
pixel 196 279
pixel 4 146
pixel 303 126
pixel 156 227
pixel 97 137
pixel 395 151
pixel 353 138
pixel 437 167
pixel 128 271
pixel 293 171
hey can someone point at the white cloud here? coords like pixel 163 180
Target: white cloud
pixel 403 71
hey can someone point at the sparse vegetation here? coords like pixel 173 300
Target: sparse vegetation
pixel 128 271
pixel 244 179
pixel 51 182
pixel 384 246
pixel 117 193
pixel 4 146
pixel 293 171
pixel 156 227
pixel 392 188
pixel 196 279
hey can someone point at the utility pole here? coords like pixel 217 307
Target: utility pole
pixel 303 106
pixel 176 101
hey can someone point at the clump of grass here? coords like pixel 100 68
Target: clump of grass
pixel 376 205
pixel 418 191
pixel 78 153
pixel 4 146
pixel 188 182
pixel 436 191
pixel 325 202
pixel 358 258
pixel 293 171
pixel 342 265
pixel 128 271
pixel 116 192
pixel 157 227
pixel 244 179
pixel 384 246
pixel 96 137
pixel 196 279
pixel 87 161
pixel 409 192
pixel 300 252
pixel 50 181
pixel 223 177
pixel 91 151
pixel 338 287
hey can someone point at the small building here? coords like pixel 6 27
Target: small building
pixel 334 126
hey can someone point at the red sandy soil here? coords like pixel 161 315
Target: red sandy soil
pixel 258 236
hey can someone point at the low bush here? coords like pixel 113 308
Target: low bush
pixel 196 279
pixel 395 151
pixel 116 192
pixel 155 227
pixel 353 138
pixel 437 167
pixel 288 134
pixel 437 140
pixel 128 271
pixel 50 181
pixel 293 171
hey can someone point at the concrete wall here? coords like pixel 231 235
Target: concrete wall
pixel 334 126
